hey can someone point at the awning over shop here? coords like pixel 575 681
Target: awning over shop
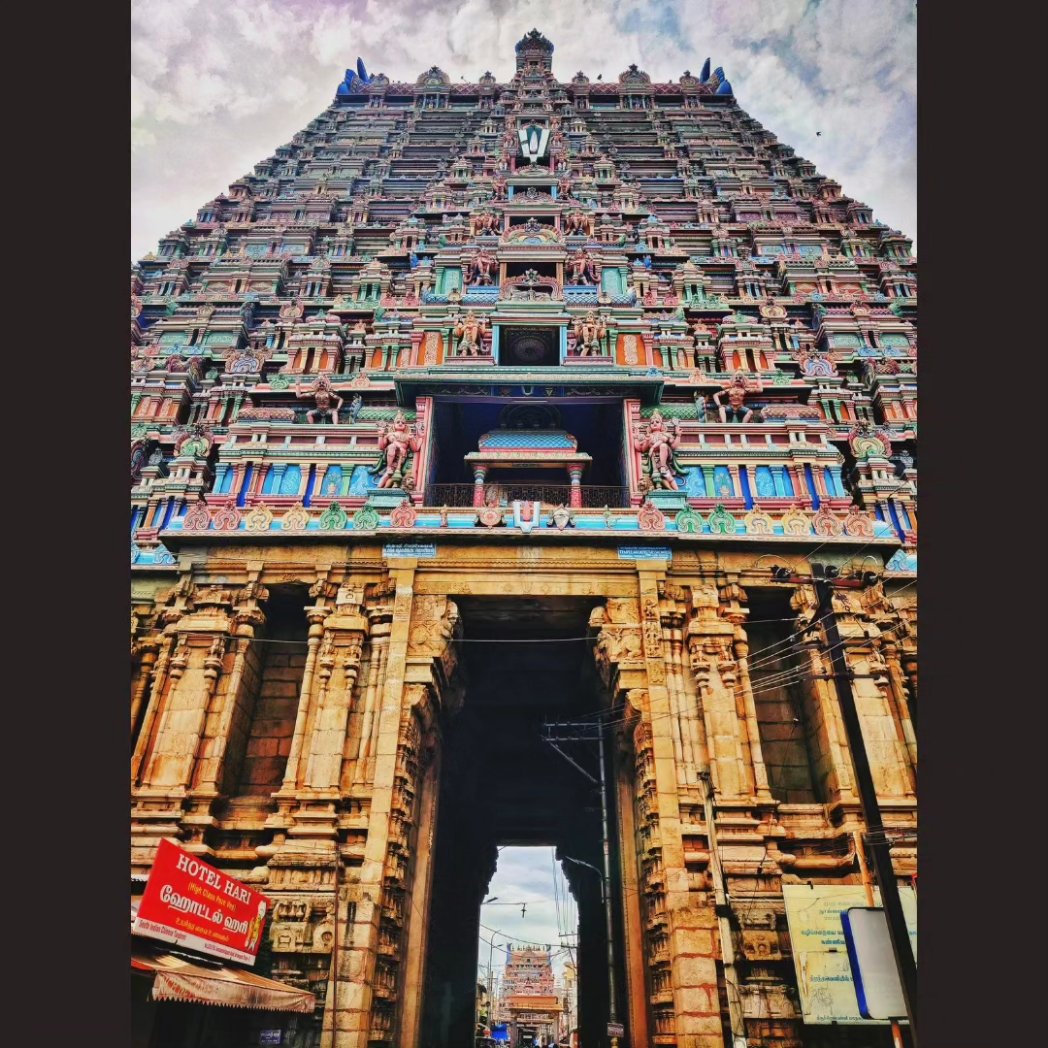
pixel 179 980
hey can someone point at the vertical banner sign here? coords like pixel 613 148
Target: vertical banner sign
pixel 874 971
pixel 190 903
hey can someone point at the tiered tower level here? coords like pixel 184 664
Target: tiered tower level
pixel 528 356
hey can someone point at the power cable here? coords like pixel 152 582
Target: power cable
pixel 789 677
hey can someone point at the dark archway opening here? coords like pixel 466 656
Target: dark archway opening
pixel 597 427
pixel 528 662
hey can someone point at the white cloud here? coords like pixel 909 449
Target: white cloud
pixel 216 83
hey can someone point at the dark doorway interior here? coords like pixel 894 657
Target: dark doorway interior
pixel 529 347
pixel 597 427
pixel 502 785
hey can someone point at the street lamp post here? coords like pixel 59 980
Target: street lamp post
pixel 491 951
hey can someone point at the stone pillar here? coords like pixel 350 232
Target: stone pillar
pixel 358 1013
pixel 575 475
pixel 192 677
pixel 168 647
pixel 316 617
pixel 414 981
pixel 479 472
pixel 711 645
pixel 833 768
pixel 691 946
pixel 733 596
pixel 148 650
pixel 800 485
pixel 900 697
pixel 882 732
pixel 318 482
pixel 635 963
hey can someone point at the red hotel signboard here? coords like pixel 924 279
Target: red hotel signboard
pixel 188 902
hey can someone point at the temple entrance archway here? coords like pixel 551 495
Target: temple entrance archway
pixel 527 661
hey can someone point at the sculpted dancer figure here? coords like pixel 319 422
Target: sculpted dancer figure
pixel 736 410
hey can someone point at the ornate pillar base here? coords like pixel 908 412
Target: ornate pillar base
pixel 155 814
pixel 668 502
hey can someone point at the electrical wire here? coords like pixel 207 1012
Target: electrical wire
pixel 789 677
pixel 147 630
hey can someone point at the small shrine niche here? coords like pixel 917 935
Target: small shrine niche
pixel 528 447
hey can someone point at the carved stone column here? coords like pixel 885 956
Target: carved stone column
pixel 638 959
pixel 337 673
pixel 433 693
pixel 350 1025
pixel 173 742
pixel 833 766
pixel 732 607
pixel 246 619
pixel 147 651
pixel 178 602
pixel 673 613
pixel 316 617
pixel 691 947
pixel 711 645
pixel 381 974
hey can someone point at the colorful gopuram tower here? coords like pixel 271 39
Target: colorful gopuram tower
pixel 479 407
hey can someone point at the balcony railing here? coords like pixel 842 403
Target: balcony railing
pixel 594 496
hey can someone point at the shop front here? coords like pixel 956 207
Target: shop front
pixel 193 932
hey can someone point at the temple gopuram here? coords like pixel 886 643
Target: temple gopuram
pixel 488 423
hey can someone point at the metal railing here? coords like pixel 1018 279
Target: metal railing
pixel 594 496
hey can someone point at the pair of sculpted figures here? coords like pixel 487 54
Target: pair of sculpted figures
pixel 396 440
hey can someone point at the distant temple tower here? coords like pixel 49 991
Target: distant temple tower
pixel 481 407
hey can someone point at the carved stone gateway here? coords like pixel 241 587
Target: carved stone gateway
pixel 354 618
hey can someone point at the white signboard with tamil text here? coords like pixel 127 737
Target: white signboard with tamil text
pixel 820 953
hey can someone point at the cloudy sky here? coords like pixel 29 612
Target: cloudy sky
pixel 525 875
pixel 217 86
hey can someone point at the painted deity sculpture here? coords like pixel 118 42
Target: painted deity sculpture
pixel 327 401
pixel 578 223
pixel 481 267
pixel 582 268
pixel 486 222
pixel 660 442
pixel 470 334
pixel 589 334
pixel 396 441
pixel 735 410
